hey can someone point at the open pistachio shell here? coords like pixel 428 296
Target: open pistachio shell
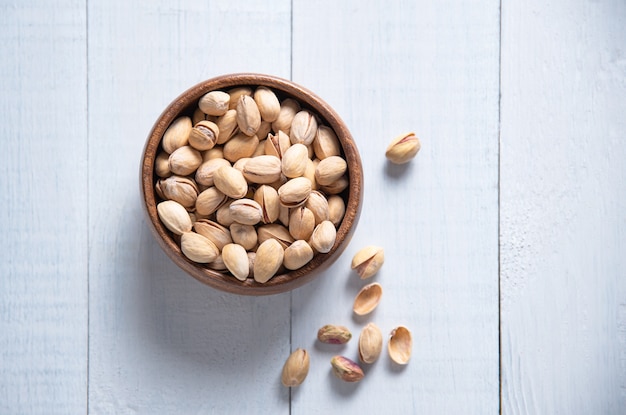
pixel 367 299
pixel 400 345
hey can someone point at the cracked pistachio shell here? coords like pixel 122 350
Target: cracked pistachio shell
pixel 180 189
pixel 323 237
pixel 295 369
pixel 198 248
pixel 236 93
pixel 227 125
pixel 403 148
pixel 269 258
pixel 333 334
pixel 162 165
pixel 204 174
pixel 370 343
pixel 367 299
pixel 210 200
pixel 367 261
pixel 244 235
pixel 329 170
pixel 303 128
pixel 262 169
pixel 177 134
pixel 268 103
pixel 246 211
pixel 277 144
pixel 230 181
pixel 236 261
pixel 318 205
pixel 326 143
pixel 214 103
pixel 288 110
pixel 267 197
pixel 184 160
pixel 203 135
pixel 248 115
pixel 240 146
pixel 297 255
pixel 294 161
pixel 295 192
pixel 275 231
pixel 213 231
pixel 400 345
pixel 174 216
pixel 336 209
pixel 346 369
pixel 301 223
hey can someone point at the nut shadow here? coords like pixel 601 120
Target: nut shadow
pixel 397 171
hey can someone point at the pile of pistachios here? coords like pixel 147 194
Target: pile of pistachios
pixel 251 185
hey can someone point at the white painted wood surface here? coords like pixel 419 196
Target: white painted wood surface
pixel 510 224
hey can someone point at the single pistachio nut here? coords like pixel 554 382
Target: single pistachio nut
pixel 267 197
pixel 174 216
pixel 217 264
pixel 295 192
pixel 288 109
pixel 309 173
pixel 262 169
pixel 326 143
pixel 294 161
pixel 236 93
pixel 246 211
pixel 400 345
pixel 297 255
pixel 230 181
pixel 162 165
pixel 275 231
pixel 269 258
pixel 264 130
pixel 318 205
pixel 277 144
pixel 244 235
pixel 268 103
pixel 301 223
pixel 303 128
pixel 248 115
pixel 333 334
pixel 181 189
pixel 184 160
pixel 209 200
pixel 330 170
pixel 177 134
pixel 204 174
pixel 346 369
pixel 223 216
pixel 367 299
pixel 323 237
pixel 240 146
pixel 198 116
pixel 241 163
pixel 368 261
pixel 198 248
pixel 260 148
pixel 236 260
pixel 295 369
pixel 403 148
pixel 212 153
pixel 203 135
pixel 370 343
pixel 336 209
pixel 214 232
pixel 214 103
pixel 227 125
pixel 337 186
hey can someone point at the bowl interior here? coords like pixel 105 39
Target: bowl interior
pixel 185 104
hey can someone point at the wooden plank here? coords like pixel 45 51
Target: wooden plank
pixel 43 288
pixel 160 342
pixel 562 207
pixel 388 68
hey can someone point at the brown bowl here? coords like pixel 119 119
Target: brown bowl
pixel 353 195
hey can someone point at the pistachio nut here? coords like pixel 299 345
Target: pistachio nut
pixel 268 103
pixel 318 205
pixel 246 211
pixel 303 128
pixel 251 260
pixel 275 231
pixel 198 248
pixel 330 170
pixel 240 146
pixel 346 369
pixel 264 130
pixel 295 192
pixel 214 103
pixel 337 186
pixel 262 169
pixel 162 165
pixel 301 223
pixel 240 164
pixel 367 299
pixel 212 153
pixel 370 343
pixel 309 173
pixel 326 143
pixel 174 216
pixel 214 232
pixel 367 261
pixel 203 135
pixel 222 214
pixel 283 214
pixel 260 148
pixel 295 369
pixel 210 200
pixel 277 144
pixel 248 115
pixel 177 134
pixel 178 188
pixel 400 345
pixel 184 160
pixel 198 116
pixel 227 125
pixel 236 261
pixel 336 209
pixel 217 264
pixel 267 197
pixel 297 255
pixel 206 171
pixel 323 237
pixel 244 235
pixel 230 181
pixel 333 334
pixel 288 109
pixel 403 148
pixel 269 258
pixel 294 161
pixel 236 93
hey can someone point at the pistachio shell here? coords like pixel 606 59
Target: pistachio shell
pixel 236 93
pixel 367 261
pixel 185 160
pixel 240 146
pixel 275 231
pixel 267 198
pixel 403 148
pixel 212 153
pixel 337 186
pixel 269 258
pixel 323 237
pixel 296 368
pixel 297 255
pixel 218 264
pixel 206 171
pixel 301 223
pixel 244 235
pixel 262 169
pixel 181 189
pixel 400 345
pixel 198 248
pixel 318 205
pixel 213 231
pixel 203 135
pixel 214 103
pixel 174 216
pixel 236 260
pixel 248 115
pixel 367 299
pixel 294 160
pixel 295 192
pixel 162 165
pixel 288 109
pixel 326 143
pixel 177 134
pixel 223 216
pixel 330 170
pixel 303 128
pixel 230 181
pixel 268 103
pixel 210 200
pixel 246 211
pixel 277 144
pixel 370 343
pixel 346 369
pixel 227 125
pixel 336 209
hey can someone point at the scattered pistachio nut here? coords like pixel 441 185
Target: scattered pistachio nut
pixel 403 148
pixel 296 368
pixel 370 343
pixel 367 299
pixel 368 261
pixel 346 369
pixel 333 334
pixel 400 345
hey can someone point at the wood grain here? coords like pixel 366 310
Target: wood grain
pixel 43 249
pixel 563 202
pixel 385 68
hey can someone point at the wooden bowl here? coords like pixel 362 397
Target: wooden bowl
pixel 353 195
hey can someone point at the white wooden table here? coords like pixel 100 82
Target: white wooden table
pixel 505 238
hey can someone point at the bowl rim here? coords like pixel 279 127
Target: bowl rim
pixel 286 281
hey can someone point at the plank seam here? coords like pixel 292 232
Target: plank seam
pixel 499 209
pixel 88 192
